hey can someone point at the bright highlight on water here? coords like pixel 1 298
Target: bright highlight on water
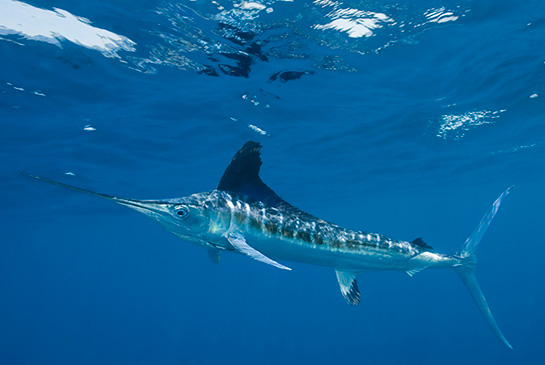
pixel 54 26
pixel 243 215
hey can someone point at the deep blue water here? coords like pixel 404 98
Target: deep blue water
pixel 403 118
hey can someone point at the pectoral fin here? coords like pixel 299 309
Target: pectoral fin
pixel 238 241
pixel 214 254
pixel 349 286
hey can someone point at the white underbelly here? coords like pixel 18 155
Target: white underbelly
pixel 358 259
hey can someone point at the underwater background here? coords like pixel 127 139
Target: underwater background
pixel 406 118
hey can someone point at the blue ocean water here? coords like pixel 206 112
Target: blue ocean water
pixel 403 118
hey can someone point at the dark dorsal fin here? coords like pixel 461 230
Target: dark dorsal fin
pixel 420 243
pixel 241 177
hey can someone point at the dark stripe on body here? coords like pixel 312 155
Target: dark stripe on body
pixel 317 232
pixel 304 236
pixel 271 228
pixel 286 232
pixel 240 217
pixel 255 223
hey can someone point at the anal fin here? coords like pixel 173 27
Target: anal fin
pixel 349 286
pixel 417 268
pixel 413 272
pixel 238 241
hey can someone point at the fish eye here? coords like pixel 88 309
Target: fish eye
pixel 182 212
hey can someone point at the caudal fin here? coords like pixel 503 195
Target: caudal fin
pixel 469 261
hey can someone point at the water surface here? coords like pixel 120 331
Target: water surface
pixel 403 118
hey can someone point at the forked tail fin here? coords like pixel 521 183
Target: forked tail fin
pixel 467 269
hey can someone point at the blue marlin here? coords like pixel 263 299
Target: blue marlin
pixel 243 215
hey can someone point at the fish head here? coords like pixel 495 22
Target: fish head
pixel 198 217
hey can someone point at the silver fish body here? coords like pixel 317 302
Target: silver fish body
pixel 245 216
pixel 300 237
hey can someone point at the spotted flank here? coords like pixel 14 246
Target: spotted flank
pixel 307 230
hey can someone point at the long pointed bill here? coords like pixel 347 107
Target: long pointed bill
pixel 147 207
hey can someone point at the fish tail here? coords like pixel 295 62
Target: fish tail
pixel 468 262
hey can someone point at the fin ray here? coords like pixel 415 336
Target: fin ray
pixel 470 246
pixel 420 243
pixel 468 262
pixel 349 286
pixel 241 177
pixel 214 254
pixel 413 272
pixel 468 277
pixel 238 241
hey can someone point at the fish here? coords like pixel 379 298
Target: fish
pixel 243 215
